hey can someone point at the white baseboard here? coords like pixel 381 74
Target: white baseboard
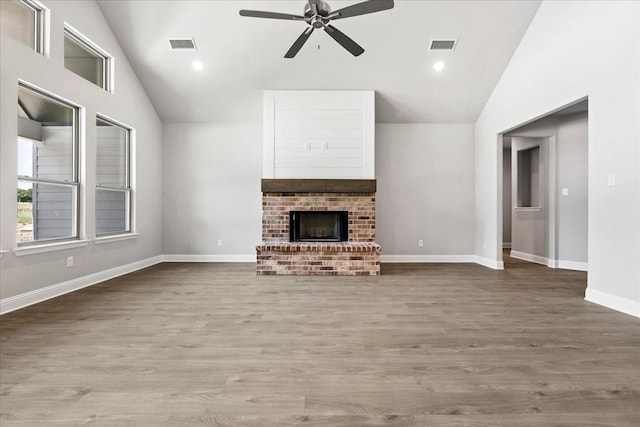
pixel 569 265
pixel 29 298
pixel 551 263
pixel 488 262
pixel 624 305
pixel 529 257
pixel 427 258
pixel 208 258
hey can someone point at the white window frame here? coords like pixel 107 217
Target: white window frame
pixel 107 60
pixel 40 24
pixel 75 178
pixel 127 188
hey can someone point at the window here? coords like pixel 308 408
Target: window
pixel 23 21
pixel 113 182
pixel 48 184
pixel 529 177
pixel 86 59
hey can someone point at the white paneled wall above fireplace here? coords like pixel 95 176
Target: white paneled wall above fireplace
pixel 319 134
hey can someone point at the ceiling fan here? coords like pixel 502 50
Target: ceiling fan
pixel 318 14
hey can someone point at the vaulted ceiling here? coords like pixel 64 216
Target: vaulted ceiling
pixel 243 56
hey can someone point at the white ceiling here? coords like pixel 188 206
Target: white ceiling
pixel 243 56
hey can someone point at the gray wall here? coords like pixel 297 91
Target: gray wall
pixel 212 178
pixel 425 178
pixel 211 182
pixel 573 174
pixel 128 104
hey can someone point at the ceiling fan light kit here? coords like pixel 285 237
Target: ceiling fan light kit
pixel 318 14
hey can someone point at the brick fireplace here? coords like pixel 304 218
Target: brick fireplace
pixel 358 255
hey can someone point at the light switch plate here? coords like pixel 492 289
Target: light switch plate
pixel 565 191
pixel 611 179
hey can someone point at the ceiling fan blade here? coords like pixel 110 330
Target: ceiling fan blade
pixel 344 40
pixel 363 8
pixel 297 45
pixel 272 15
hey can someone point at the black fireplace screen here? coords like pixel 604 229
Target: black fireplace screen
pixel 322 226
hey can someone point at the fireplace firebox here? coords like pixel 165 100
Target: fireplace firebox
pixel 318 226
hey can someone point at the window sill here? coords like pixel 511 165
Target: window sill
pixel 50 247
pixel 115 238
pixel 528 209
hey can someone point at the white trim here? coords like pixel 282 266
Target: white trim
pixel 368 134
pixel 2 251
pixel 551 263
pixel 552 200
pixel 428 258
pixel 530 257
pixel 527 209
pixel 614 302
pixel 115 238
pixel 109 66
pixel 490 263
pixel 41 26
pixel 569 265
pixel 49 247
pixel 46 29
pixel 208 258
pixel 29 298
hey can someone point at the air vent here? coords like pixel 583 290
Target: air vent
pixel 443 44
pixel 182 44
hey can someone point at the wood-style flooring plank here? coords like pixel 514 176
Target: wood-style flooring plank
pixel 421 345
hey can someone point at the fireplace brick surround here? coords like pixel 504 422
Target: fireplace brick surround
pixel 360 255
pixel 276 207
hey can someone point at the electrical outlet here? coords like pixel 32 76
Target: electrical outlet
pixel 565 191
pixel 219 242
pixel 70 261
pixel 611 179
pixel 420 243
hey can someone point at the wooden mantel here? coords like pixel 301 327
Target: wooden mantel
pixel 318 185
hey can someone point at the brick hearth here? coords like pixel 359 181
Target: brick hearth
pixel 327 259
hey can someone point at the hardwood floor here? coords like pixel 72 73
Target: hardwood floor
pixel 421 345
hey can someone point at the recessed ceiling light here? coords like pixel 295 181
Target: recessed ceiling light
pixel 438 66
pixel 197 65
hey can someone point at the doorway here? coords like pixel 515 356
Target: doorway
pixel 545 190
